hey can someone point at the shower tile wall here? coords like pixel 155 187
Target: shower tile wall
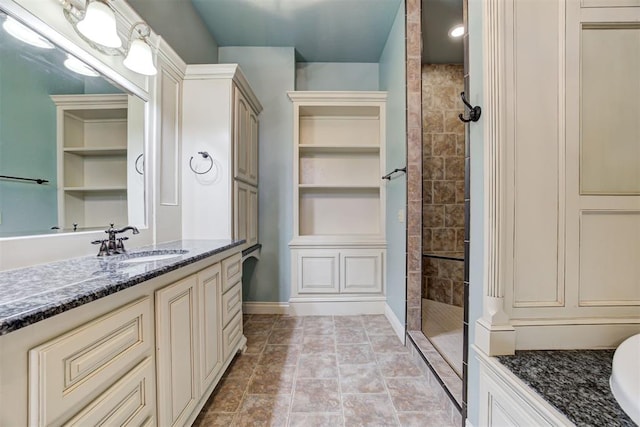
pixel 443 145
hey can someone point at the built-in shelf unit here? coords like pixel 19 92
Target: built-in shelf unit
pixel 338 246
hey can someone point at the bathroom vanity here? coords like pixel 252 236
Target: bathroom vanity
pixel 134 339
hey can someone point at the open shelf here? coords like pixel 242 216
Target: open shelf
pixel 96 151
pixel 318 148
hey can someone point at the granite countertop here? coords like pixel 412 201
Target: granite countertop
pixel 32 294
pixel 575 382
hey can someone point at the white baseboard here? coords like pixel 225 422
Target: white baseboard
pixel 251 307
pixel 572 336
pixel 301 307
pixel 395 323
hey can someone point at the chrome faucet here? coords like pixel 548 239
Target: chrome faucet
pixel 113 245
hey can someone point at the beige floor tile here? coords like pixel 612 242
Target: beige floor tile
pixel 289 323
pixel 319 329
pixel 272 379
pixel 285 336
pixel 373 410
pixel 426 419
pixel 301 419
pixel 355 335
pixel 242 366
pixel 322 365
pixel 227 395
pixel 318 344
pixel 415 395
pixel 313 321
pixel 380 329
pixel 347 321
pixel 387 344
pixel 257 328
pixel 265 318
pixel 316 395
pixel 280 355
pixel 397 365
pixel 211 419
pixel 258 410
pixel 256 343
pixel 361 379
pixel 354 354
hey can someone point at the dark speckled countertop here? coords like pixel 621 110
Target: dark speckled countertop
pixel 32 294
pixel 575 382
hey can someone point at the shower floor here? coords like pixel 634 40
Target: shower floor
pixel 442 324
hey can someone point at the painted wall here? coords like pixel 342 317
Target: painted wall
pixel 186 33
pixel 28 137
pixel 271 74
pixel 337 76
pixel 393 80
pixel 476 251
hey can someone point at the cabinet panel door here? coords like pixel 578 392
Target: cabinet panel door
pixel 176 317
pixel 240 211
pixel 68 371
pixel 317 271
pixel 231 335
pixel 252 216
pixel 361 271
pixel 129 402
pixel 252 150
pixel 210 283
pixel 241 136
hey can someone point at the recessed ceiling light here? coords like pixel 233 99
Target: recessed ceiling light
pixel 456 31
pixel 77 66
pixel 25 34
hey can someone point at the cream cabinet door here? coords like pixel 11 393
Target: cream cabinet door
pixel 253 148
pixel 316 271
pixel 252 216
pixel 241 136
pixel 361 271
pixel 176 340
pixel 246 213
pixel 210 325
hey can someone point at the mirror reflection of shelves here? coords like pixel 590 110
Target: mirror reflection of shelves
pixel 92 160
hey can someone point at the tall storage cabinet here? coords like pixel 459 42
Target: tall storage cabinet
pixel 338 247
pixel 219 118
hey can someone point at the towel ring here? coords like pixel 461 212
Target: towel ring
pixel 141 172
pixel 204 155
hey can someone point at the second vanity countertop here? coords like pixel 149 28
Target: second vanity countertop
pixel 32 294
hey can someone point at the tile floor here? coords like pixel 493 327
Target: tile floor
pixel 325 371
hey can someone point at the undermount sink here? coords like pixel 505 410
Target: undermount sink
pixel 157 255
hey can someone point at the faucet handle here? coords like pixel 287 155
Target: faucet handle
pixel 120 246
pixel 104 249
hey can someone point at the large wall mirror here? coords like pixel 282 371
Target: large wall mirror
pixel 71 141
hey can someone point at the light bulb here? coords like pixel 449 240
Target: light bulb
pixel 25 34
pixel 77 66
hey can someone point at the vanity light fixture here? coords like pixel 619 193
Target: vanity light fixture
pixel 96 24
pixel 456 31
pixel 99 24
pixel 25 34
pixel 139 57
pixel 77 66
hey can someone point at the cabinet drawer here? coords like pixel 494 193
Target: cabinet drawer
pixel 231 335
pixel 231 271
pixel 231 303
pixel 69 371
pixel 129 402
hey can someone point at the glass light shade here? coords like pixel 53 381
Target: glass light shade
pixel 456 31
pixel 77 66
pixel 99 25
pixel 140 59
pixel 25 34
